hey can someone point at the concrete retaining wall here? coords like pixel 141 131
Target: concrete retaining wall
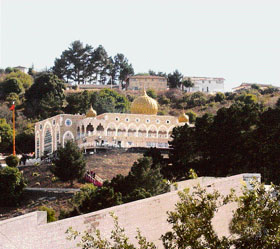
pixel 149 215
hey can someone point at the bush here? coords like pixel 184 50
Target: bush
pixel 11 186
pixel 151 93
pixel 219 97
pixel 12 161
pixel 50 213
pixel 192 116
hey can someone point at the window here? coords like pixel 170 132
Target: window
pixel 158 121
pixel 41 127
pixel 127 120
pixel 148 121
pixel 117 119
pixel 48 141
pixel 167 121
pixel 68 122
pixel 53 122
pixel 137 120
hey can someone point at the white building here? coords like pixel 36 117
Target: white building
pixel 205 84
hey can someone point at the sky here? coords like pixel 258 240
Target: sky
pixel 238 40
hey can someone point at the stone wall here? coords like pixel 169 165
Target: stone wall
pixel 149 215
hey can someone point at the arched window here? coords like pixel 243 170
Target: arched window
pixel 121 131
pixel 48 141
pixel 152 132
pixel 68 136
pixel 83 130
pixel 90 129
pixel 57 139
pixel 78 132
pixel 132 131
pixel 142 132
pixel 100 130
pixel 38 147
pixel 111 130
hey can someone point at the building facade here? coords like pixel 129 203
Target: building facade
pixel 140 128
pixel 205 84
pixel 137 82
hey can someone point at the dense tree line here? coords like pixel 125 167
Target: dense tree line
pixel 241 138
pixel 84 65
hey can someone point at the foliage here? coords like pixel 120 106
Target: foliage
pixel 188 83
pixel 151 93
pixel 106 100
pixel 175 79
pixel 244 137
pixel 192 116
pixel 12 97
pixel 247 98
pixel 6 134
pixel 153 73
pixel 11 85
pixel 25 138
pixel 143 181
pixel 25 80
pixel 118 239
pixel 69 163
pixel 45 97
pixel 83 64
pixel 278 103
pixel 94 198
pixel 11 186
pixel 163 100
pixel 12 161
pixel 255 222
pixel 191 221
pixel 50 213
pixel 219 97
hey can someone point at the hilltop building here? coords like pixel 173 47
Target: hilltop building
pixel 22 69
pixel 137 82
pixel 140 128
pixel 205 84
pixel 246 86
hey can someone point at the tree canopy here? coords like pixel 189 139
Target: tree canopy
pixel 175 79
pixel 45 97
pixel 6 134
pixel 106 100
pixel 83 64
pixel 69 163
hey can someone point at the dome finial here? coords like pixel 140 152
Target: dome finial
pixel 91 113
pixel 144 104
pixel 183 118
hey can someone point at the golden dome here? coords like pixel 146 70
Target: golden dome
pixel 91 113
pixel 144 105
pixel 183 118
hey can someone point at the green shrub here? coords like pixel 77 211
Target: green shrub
pixel 12 161
pixel 219 97
pixel 50 213
pixel 11 186
pixel 192 116
pixel 151 93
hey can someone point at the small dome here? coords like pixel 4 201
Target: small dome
pixel 183 118
pixel 144 105
pixel 91 113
